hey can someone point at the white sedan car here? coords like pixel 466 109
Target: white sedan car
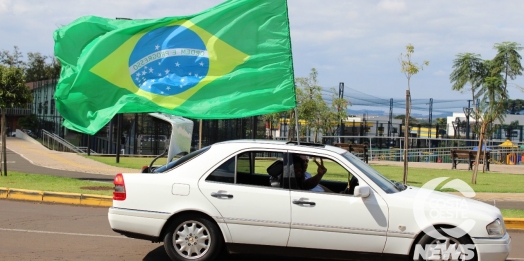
pixel 253 196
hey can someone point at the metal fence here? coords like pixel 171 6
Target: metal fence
pixel 429 150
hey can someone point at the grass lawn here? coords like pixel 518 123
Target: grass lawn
pixel 486 182
pixel 417 177
pixel 128 162
pixel 55 184
pixel 512 213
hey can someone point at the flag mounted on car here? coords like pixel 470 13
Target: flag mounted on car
pixel 233 60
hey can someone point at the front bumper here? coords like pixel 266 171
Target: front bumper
pixel 493 249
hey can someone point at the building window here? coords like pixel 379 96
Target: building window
pixel 52 106
pixel 40 108
pixel 45 107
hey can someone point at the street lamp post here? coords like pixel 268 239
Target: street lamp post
pixel 467 112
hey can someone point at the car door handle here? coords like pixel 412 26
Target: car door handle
pixel 221 194
pixel 303 202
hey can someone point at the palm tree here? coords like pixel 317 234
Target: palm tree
pixel 467 68
pixel 507 61
pixel 490 109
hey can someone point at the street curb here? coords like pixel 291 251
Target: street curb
pixel 514 223
pixel 56 197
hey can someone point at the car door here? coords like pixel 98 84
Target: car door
pixel 254 211
pixel 336 221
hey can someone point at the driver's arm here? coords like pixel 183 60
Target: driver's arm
pixel 313 181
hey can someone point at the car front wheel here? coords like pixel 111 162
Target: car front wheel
pixel 192 238
pixel 445 248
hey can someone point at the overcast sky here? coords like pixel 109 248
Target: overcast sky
pixel 355 42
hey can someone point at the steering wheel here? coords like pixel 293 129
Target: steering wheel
pixel 352 183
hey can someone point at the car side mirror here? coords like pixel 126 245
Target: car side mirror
pixel 361 191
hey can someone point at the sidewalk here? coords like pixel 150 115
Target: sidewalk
pixel 39 155
pixel 494 168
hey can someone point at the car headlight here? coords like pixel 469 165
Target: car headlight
pixel 496 228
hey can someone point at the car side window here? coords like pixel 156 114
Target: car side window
pixel 244 163
pixel 260 168
pixel 255 168
pixel 320 174
pixel 225 173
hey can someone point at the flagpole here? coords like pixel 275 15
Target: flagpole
pixel 200 135
pixel 296 124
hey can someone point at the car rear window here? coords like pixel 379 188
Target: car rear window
pixel 186 158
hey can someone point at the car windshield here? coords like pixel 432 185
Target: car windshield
pixel 173 164
pixel 384 183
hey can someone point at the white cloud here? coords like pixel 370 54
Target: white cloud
pixel 392 5
pixel 352 41
pixel 5 6
pixel 440 73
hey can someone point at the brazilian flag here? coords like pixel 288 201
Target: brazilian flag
pixel 233 60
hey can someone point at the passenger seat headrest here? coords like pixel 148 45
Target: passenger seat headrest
pixel 276 169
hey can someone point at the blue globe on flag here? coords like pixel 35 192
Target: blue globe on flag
pixel 169 60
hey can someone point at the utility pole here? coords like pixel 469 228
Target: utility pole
pixel 118 136
pixel 341 125
pixel 430 118
pixel 467 112
pixel 390 121
pixel 406 137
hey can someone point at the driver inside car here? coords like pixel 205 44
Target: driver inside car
pixel 305 180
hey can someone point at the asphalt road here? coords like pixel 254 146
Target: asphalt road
pixel 38 231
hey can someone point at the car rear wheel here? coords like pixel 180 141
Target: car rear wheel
pixel 446 248
pixel 192 238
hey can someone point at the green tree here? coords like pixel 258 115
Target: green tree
pixel 35 67
pixel 29 122
pixel 13 59
pixel 442 121
pixel 338 113
pixel 53 68
pixel 507 61
pixel 510 127
pixel 412 121
pixel 271 120
pixel 408 68
pixel 467 68
pixel 13 93
pixel 490 109
pixel 311 107
pixel 514 106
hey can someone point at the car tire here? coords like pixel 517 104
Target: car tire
pixel 426 240
pixel 192 237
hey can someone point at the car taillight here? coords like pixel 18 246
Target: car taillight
pixel 119 192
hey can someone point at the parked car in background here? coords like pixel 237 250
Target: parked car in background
pixel 248 196
pixel 30 133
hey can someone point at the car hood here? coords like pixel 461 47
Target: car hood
pixel 431 207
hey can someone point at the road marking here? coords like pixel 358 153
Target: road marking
pixel 59 233
pixel 11 162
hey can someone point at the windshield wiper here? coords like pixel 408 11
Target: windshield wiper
pixel 399 185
